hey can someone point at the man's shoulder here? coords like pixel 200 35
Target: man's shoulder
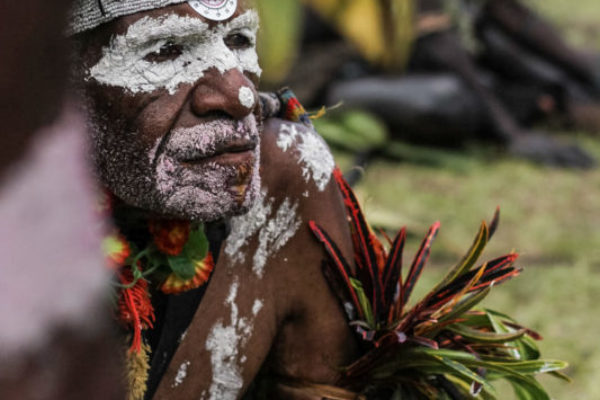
pixel 296 153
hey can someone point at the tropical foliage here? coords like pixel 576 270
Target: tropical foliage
pixel 381 30
pixel 441 347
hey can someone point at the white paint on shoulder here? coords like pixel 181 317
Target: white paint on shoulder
pixel 181 374
pixel 315 158
pixel 225 344
pixel 246 97
pixel 125 61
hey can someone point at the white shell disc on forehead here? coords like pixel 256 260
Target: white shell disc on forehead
pixel 216 10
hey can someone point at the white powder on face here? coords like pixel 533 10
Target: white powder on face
pixel 123 63
pixel 315 157
pixel 272 231
pixel 246 97
pixel 224 344
pixel 210 192
pixel 181 374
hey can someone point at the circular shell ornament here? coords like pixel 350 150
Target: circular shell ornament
pixel 216 10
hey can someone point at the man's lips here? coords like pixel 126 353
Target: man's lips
pixel 232 152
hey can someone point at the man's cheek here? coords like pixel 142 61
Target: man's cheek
pixel 158 117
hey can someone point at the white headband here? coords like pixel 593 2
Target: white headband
pixel 88 14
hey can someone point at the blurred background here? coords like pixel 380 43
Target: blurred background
pixel 450 140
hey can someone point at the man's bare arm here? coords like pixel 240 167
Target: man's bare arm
pixel 268 304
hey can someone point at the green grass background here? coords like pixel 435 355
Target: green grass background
pixel 551 217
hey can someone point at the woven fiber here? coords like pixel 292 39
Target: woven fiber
pixel 88 14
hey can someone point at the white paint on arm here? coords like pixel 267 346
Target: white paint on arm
pixel 257 306
pixel 181 374
pixel 274 229
pixel 275 234
pixel 226 343
pixel 247 225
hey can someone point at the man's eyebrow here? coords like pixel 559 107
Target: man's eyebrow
pixel 248 20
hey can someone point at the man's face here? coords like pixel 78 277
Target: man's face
pixel 173 107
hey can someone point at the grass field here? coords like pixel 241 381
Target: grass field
pixel 551 217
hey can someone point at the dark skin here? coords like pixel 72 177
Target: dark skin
pixel 300 333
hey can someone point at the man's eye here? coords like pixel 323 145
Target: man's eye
pixel 237 41
pixel 169 51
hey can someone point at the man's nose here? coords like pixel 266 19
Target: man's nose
pixel 231 93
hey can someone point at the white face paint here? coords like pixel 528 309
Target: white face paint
pixel 217 10
pixel 246 97
pixel 125 62
pixel 315 157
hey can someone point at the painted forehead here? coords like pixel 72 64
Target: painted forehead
pixel 173 25
pixel 129 61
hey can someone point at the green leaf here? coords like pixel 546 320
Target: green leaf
pixel 450 354
pixel 528 389
pixel 469 259
pixel 354 130
pixel 521 391
pixel 520 368
pixel 182 266
pixel 466 372
pixel 465 386
pixel 196 247
pixel 485 337
pixel 364 302
pixel 466 305
pixel 560 375
pixel 517 374
pixel 528 349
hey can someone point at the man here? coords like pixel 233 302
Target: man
pixel 178 134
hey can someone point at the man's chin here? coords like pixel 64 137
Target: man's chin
pixel 197 204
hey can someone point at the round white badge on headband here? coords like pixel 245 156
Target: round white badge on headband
pixel 216 10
